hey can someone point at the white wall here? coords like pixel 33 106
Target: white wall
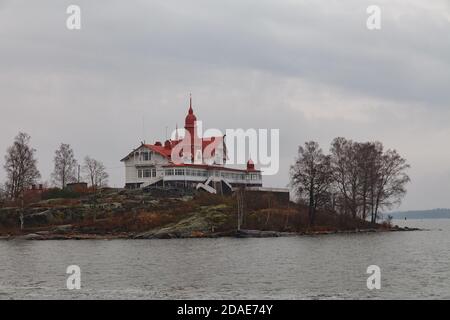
pixel 132 165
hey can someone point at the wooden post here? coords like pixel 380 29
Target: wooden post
pixel 22 210
pixel 240 206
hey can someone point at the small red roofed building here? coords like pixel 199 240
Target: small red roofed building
pixel 34 193
pixel 200 163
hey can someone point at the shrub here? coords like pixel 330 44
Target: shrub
pixel 56 193
pixel 209 199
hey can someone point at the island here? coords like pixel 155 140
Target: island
pixel 153 214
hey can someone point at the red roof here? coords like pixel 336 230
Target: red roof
pixel 166 150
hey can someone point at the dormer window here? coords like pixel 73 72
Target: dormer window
pixel 146 156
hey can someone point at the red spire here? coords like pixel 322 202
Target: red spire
pixel 191 111
pixel 190 118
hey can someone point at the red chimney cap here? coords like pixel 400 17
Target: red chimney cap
pixel 250 165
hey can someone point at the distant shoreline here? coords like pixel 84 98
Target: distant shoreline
pixel 421 214
pixel 424 218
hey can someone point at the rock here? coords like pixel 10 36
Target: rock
pixel 199 223
pixel 408 229
pixel 40 218
pixel 63 228
pixel 43 233
pixel 256 234
pixel 31 236
pixel 198 234
pixel 164 235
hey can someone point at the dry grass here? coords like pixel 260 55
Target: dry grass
pixel 260 214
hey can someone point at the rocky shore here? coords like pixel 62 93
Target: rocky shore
pixel 47 235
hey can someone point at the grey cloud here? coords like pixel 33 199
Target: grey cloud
pixel 310 68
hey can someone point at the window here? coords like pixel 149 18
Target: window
pixel 169 172
pixel 179 172
pixel 145 156
pixel 228 175
pixel 146 173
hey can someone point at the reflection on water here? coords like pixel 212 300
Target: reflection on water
pixel 413 265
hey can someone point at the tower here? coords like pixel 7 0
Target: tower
pixel 190 121
pixel 195 142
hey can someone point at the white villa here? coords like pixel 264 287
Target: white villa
pixel 152 165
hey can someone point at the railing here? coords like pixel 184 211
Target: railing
pixel 232 179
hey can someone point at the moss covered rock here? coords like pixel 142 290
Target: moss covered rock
pixel 205 221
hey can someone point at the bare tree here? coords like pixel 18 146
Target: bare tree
pixel 368 157
pixel 345 174
pixel 325 184
pixel 311 177
pixel 90 168
pixel 102 176
pixel 390 185
pixel 20 166
pixel 65 166
pixel 358 179
pixel 367 178
pixel 240 198
pixel 2 194
pixel 95 172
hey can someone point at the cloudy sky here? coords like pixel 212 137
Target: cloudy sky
pixel 309 68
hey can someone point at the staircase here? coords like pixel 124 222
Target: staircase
pixel 205 185
pixel 206 188
pixel 146 184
